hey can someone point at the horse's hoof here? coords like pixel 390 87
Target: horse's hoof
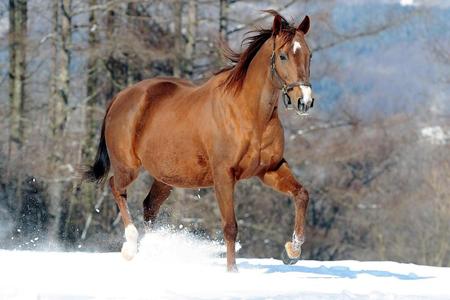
pixel 148 226
pixel 129 250
pixel 232 269
pixel 290 256
pixel 287 260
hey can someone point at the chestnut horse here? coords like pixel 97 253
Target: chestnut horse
pixel 213 134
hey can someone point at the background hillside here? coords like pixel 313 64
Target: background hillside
pixel 374 152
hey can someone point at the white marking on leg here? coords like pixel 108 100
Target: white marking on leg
pixel 131 233
pixel 296 46
pixel 297 242
pixel 307 94
pixel 129 248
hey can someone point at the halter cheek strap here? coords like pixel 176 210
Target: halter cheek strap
pixel 284 87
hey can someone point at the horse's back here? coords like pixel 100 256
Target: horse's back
pixel 130 112
pixel 159 124
pixel 171 132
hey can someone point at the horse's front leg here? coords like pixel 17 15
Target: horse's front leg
pixel 281 179
pixel 224 187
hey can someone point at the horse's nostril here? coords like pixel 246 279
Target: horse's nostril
pixel 301 106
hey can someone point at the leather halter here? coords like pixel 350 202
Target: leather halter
pixel 284 86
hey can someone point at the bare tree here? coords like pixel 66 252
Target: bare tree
pixel 92 85
pixel 17 72
pixel 191 37
pixel 178 41
pixel 58 109
pixel 223 19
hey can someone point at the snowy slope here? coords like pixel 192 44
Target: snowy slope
pixel 176 266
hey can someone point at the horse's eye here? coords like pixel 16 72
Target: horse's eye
pixel 283 56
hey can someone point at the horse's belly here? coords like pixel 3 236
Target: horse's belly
pixel 177 166
pixel 194 177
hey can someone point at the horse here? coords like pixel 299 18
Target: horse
pixel 211 135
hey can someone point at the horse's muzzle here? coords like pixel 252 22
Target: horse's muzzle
pixel 303 106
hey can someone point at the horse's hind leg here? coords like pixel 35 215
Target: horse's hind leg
pixel 159 192
pixel 119 182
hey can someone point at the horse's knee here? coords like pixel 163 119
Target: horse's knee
pixel 122 178
pixel 230 231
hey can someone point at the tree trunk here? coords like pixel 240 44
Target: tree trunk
pixel 118 70
pixel 184 48
pixel 66 43
pixel 178 41
pixel 189 51
pixel 223 19
pixel 62 43
pixel 92 88
pixel 92 119
pixel 61 48
pixel 17 71
pixel 135 26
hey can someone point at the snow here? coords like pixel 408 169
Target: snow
pixel 4 25
pixel 177 266
pixel 406 2
pixel 435 134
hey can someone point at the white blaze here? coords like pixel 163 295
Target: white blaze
pixel 307 94
pixel 296 46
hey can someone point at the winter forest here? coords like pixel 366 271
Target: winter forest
pixel 373 152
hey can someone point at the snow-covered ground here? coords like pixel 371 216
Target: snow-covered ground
pixel 177 266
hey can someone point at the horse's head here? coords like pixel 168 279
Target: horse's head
pixel 290 63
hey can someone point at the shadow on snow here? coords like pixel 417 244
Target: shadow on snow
pixel 338 271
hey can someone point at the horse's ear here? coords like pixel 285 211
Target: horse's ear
pixel 304 25
pixel 277 23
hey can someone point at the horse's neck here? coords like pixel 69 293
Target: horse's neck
pixel 258 93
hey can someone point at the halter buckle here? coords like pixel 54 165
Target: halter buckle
pixel 286 99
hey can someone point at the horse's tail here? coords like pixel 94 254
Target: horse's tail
pixel 98 172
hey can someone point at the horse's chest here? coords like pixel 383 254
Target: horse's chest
pixel 261 156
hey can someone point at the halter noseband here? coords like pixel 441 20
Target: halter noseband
pixel 285 87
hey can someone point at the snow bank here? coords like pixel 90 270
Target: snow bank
pixel 177 266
